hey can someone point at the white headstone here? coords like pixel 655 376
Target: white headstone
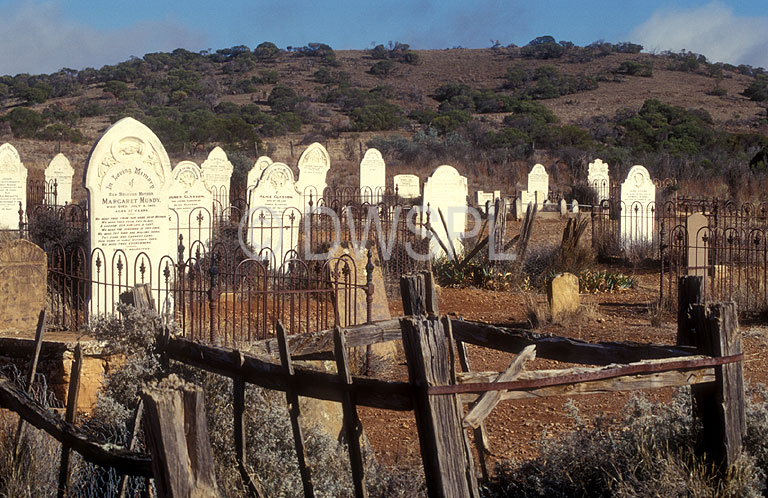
pixel 574 206
pixel 314 164
pixel 598 179
pixel 190 208
pixel 275 213
pixel 407 186
pixel 483 198
pixel 127 176
pixel 60 171
pixel 697 227
pixel 217 174
pixel 373 172
pixel 638 206
pixel 538 185
pixel 446 190
pixel 563 207
pixel 13 187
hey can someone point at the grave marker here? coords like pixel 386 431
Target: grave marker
pixel 407 186
pixel 314 164
pixel 598 179
pixel 372 177
pixel 697 226
pixel 190 206
pixel 60 171
pixel 127 176
pixel 23 280
pixel 638 206
pixel 217 175
pixel 275 213
pixel 13 187
pixel 538 186
pixel 446 190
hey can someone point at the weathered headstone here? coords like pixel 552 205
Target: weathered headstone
pixel 598 179
pixel 638 206
pixel 563 207
pixel 446 191
pixel 373 172
pixel 574 206
pixel 275 213
pixel 483 198
pixel 13 187
pixel 314 164
pixel 563 295
pixel 60 171
pixel 23 279
pixel 217 175
pixel 519 212
pixel 255 173
pixel 407 186
pixel 127 176
pixel 538 186
pixel 190 207
pixel 697 227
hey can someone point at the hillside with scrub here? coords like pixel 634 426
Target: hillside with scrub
pixel 492 112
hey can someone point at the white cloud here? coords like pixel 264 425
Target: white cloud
pixel 37 38
pixel 712 30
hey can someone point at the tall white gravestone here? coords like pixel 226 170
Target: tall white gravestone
pixel 217 174
pixel 538 186
pixel 598 179
pixel 314 164
pixel 407 186
pixel 446 190
pixel 638 207
pixel 190 209
pixel 127 176
pixel 373 172
pixel 60 171
pixel 275 213
pixel 13 187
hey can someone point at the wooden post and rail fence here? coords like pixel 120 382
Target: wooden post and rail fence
pixel 446 403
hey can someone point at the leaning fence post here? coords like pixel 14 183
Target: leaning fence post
pixel 71 415
pixel 688 293
pixel 30 378
pixel 238 387
pixel 720 404
pixel 448 466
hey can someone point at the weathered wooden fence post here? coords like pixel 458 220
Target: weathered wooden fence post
pixel 720 404
pixel 448 466
pixel 445 452
pixel 177 437
pixel 30 379
pixel 70 416
pixel 689 292
pixel 254 487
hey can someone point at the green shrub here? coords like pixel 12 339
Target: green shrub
pixel 382 68
pixel 376 117
pixel 266 51
pixel 24 122
pixel 283 99
pixel 758 89
pixel 543 47
pixel 634 68
pixel 593 282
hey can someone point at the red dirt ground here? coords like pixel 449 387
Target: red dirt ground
pixel 515 427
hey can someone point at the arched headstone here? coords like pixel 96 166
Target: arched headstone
pixel 60 171
pixel 638 207
pixel 127 176
pixel 314 164
pixel 446 190
pixel 373 172
pixel 217 174
pixel 190 206
pixel 13 187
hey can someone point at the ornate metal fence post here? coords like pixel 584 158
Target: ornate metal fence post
pixel 180 283
pixel 213 272
pixel 662 246
pixel 21 221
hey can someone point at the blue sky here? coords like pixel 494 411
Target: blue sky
pixel 44 36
